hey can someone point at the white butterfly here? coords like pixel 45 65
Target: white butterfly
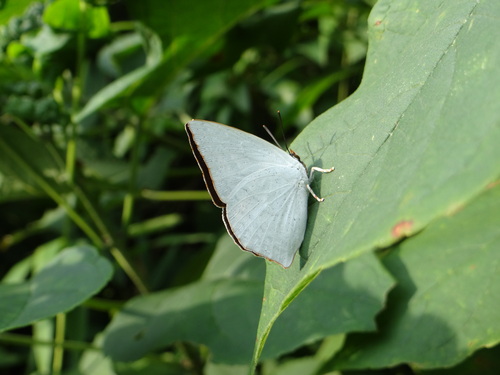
pixel 261 189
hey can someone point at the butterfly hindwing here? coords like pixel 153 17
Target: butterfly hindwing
pixel 270 222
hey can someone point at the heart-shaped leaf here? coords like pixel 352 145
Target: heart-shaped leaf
pixel 417 139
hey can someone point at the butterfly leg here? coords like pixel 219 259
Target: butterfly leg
pixel 317 169
pixel 313 194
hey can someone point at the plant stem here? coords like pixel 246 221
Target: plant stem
pixel 128 203
pixel 22 340
pixel 57 361
pixel 124 263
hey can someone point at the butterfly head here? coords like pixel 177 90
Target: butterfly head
pixel 295 156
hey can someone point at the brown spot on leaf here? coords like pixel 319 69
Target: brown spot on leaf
pixel 403 228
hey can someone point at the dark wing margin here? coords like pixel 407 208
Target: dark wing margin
pixel 231 233
pixel 238 243
pixel 205 171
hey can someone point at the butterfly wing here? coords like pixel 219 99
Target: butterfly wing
pixel 261 189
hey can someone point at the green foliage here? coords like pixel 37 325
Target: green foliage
pixel 113 259
pixel 65 282
pixel 67 15
pixel 221 295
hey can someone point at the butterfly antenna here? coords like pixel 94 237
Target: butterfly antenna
pixel 282 131
pixel 272 136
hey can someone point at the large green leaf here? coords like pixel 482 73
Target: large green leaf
pixel 446 303
pixel 221 311
pixel 418 139
pixel 73 276
pixel 220 314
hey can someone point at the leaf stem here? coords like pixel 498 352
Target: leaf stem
pixel 57 360
pixel 124 263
